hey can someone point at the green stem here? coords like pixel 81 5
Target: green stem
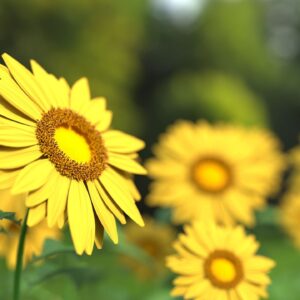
pixel 19 265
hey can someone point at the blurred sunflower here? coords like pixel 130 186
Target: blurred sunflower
pixel 9 238
pixel 290 206
pixel 290 216
pixel 219 172
pixel 155 239
pixel 215 262
pixel 294 159
pixel 56 146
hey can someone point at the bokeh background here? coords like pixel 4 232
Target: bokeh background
pixel 156 61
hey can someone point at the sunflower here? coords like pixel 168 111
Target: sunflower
pixel 290 216
pixel 56 146
pixel 155 240
pixel 290 206
pixel 294 160
pixel 216 262
pixel 9 237
pixel 219 172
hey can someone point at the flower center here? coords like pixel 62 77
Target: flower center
pixel 72 144
pixel 223 269
pixel 211 175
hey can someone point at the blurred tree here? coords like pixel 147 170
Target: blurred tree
pixel 72 38
pixel 214 96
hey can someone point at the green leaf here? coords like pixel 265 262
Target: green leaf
pixel 4 215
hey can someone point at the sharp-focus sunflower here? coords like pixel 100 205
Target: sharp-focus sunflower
pixel 215 262
pixel 219 172
pixel 9 237
pixel 155 239
pixel 57 147
pixel 290 216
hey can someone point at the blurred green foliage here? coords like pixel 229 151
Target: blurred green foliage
pixel 72 38
pixel 198 95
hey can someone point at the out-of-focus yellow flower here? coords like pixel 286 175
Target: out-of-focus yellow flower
pixel 59 150
pixel 215 262
pixel 9 238
pixel 290 206
pixel 290 216
pixel 219 172
pixel 294 159
pixel 155 239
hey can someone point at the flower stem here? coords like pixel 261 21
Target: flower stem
pixel 19 265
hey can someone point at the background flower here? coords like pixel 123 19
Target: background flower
pixel 9 237
pixel 214 172
pixel 217 262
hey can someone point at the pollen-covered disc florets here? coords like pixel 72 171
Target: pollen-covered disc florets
pixel 84 157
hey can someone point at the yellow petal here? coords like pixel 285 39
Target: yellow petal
pixel 13 124
pixel 17 137
pixel 197 289
pixel 64 91
pixel 99 235
pixel 105 216
pixel 124 163
pixel 7 178
pixel 25 80
pixel 95 110
pixel 109 202
pixel 40 195
pixel 16 97
pixel 80 95
pixel 117 141
pixel 46 84
pixel 105 121
pixel 32 176
pixel 80 215
pixel 56 90
pixel 36 214
pixel 245 292
pixel 8 111
pixel 57 200
pixel 61 220
pixel 4 73
pixel 121 197
pixel 133 189
pixel 259 263
pixel 258 278
pixel 178 291
pixel 11 159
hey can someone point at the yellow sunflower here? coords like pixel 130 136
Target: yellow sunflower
pixel 155 239
pixel 294 159
pixel 57 147
pixel 215 262
pixel 219 172
pixel 9 237
pixel 290 216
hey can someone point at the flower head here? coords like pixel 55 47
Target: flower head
pixel 9 238
pixel 215 262
pixel 155 239
pixel 290 216
pixel 220 172
pixel 57 147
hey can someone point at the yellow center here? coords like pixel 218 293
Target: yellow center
pixel 211 175
pixel 73 144
pixel 223 270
